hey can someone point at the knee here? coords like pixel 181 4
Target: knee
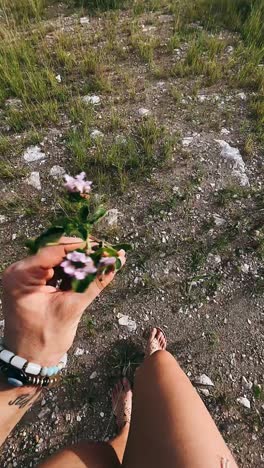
pixel 156 363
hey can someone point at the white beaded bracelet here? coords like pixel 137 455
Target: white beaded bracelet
pixel 30 367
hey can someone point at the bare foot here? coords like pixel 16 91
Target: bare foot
pixel 122 403
pixel 156 341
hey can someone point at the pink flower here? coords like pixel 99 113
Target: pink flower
pixel 78 265
pixel 78 183
pixel 106 261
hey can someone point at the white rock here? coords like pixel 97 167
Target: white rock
pixel 204 380
pixel 93 375
pixel 242 96
pixel 14 236
pixel 143 112
pixel 246 383
pixel 96 134
pixel 58 78
pixel 57 171
pixel 204 391
pixel 229 49
pixel 79 352
pixel 78 418
pixel 201 97
pixel 85 20
pixel 93 99
pixel 218 220
pixel 33 153
pixel 244 402
pixel 187 141
pixel 126 321
pixel 217 259
pixel 232 154
pixel 68 417
pixel 44 412
pixel 34 180
pixel 245 268
pixel 224 131
pixel 102 414
pixel 111 216
pixel 2 323
pixel 3 219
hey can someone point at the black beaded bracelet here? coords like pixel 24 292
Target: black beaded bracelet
pixel 27 379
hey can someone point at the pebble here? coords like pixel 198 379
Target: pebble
pixel 126 321
pixel 57 171
pixel 204 391
pixel 93 99
pixel 187 141
pixel 244 402
pixel 102 414
pixel 2 323
pixel 33 153
pixel 34 180
pixel 93 375
pixel 242 96
pixel 224 131
pixel 233 155
pixel 79 352
pixel 68 417
pixel 3 219
pixel 143 112
pixel 96 134
pixel 85 20
pixel 218 220
pixel 44 412
pixel 78 418
pixel 111 217
pixel 58 78
pixel 245 268
pixel 204 380
pixel 246 383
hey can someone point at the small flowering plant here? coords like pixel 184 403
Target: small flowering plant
pixel 81 266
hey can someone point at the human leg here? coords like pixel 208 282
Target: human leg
pixel 100 455
pixel 170 426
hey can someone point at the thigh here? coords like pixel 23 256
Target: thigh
pixel 84 454
pixel 170 425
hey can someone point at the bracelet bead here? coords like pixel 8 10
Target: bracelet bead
pixel 6 355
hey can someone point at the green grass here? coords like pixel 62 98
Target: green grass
pixel 14 204
pixel 9 172
pixel 22 11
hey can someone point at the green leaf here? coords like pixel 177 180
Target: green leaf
pixel 125 247
pixel 49 237
pixel 30 244
pixel 118 264
pixel 81 285
pixel 83 213
pixel 94 218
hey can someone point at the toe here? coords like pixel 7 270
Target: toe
pixel 126 384
pixel 153 334
pixel 161 339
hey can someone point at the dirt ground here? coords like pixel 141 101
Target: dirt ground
pixel 195 268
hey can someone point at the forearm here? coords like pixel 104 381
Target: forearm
pixel 14 402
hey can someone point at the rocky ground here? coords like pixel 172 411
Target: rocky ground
pixel 196 226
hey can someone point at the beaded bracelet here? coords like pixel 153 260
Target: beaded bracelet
pixel 18 378
pixel 28 370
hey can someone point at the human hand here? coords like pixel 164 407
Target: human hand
pixel 40 320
